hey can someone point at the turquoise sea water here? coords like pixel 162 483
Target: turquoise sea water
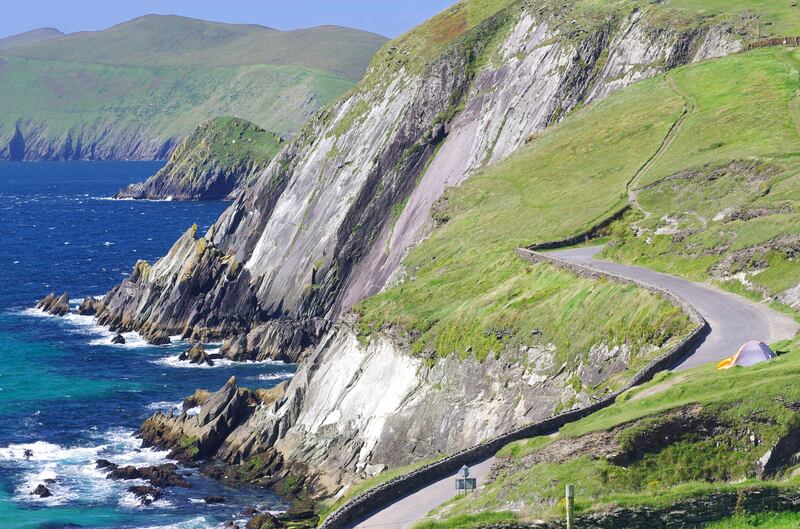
pixel 66 392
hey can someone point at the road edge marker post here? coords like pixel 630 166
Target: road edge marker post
pixel 570 506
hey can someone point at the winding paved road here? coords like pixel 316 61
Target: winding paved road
pixel 732 319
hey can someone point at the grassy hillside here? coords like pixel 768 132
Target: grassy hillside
pixel 733 148
pixel 217 158
pixel 29 37
pixel 665 441
pixel 156 78
pixel 164 40
pixel 465 279
pixel 722 202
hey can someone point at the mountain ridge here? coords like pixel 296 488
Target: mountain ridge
pixel 27 38
pixel 136 90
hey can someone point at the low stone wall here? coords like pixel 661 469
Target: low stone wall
pixel 374 499
pixel 693 513
pixel 772 41
pixel 583 236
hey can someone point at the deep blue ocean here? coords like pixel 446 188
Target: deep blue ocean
pixel 66 392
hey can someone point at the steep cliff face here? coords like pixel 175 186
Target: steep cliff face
pixel 328 422
pixel 103 139
pixel 211 164
pixel 328 222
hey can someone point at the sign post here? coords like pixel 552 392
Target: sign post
pixel 570 498
pixel 465 482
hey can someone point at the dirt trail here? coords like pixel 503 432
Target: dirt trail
pixel 689 107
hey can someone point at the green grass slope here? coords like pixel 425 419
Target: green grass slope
pixel 213 162
pixel 734 148
pixel 155 79
pixel 665 441
pixel 167 40
pixel 463 281
pixel 722 202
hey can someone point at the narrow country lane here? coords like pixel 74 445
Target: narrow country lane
pixel 732 319
pixel 407 511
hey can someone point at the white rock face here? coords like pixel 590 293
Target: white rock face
pixel 354 408
pixel 538 78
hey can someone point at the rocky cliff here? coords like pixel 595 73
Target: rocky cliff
pixel 211 163
pixel 329 221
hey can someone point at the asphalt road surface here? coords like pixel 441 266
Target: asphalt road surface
pixel 733 321
pixel 408 510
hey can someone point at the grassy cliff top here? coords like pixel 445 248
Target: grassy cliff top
pixel 418 47
pixel 229 140
pixel 167 40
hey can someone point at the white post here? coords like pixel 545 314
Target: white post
pixel 570 497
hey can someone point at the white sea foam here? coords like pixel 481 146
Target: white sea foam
pixel 280 375
pixel 70 473
pixel 195 523
pixel 172 361
pixel 165 406
pixel 129 500
pixel 80 324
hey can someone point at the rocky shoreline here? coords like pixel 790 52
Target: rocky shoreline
pixel 197 437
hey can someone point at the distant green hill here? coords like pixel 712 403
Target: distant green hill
pixel 217 158
pixel 29 37
pixel 135 90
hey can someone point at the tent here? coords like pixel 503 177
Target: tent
pixel 750 353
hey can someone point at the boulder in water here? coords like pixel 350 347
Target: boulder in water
pixel 196 354
pixel 264 520
pixel 213 499
pixel 56 305
pixel 145 493
pixel 165 475
pixel 118 339
pixel 89 306
pixel 157 338
pixel 104 463
pixel 42 491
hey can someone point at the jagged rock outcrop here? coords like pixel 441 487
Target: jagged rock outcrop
pixel 89 306
pixel 327 424
pixel 197 354
pixel 281 339
pixel 211 164
pixel 55 305
pixel 198 398
pixel 195 437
